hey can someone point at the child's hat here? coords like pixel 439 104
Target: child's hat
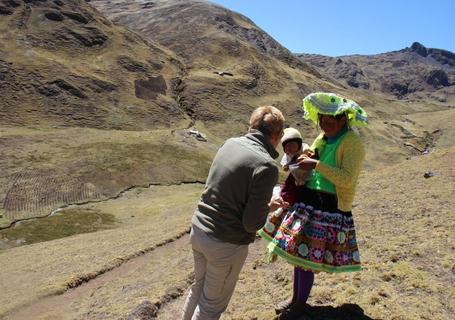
pixel 291 134
pixel 333 104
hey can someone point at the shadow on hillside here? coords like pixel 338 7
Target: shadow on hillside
pixel 343 312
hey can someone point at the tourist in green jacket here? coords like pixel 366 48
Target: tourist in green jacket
pixel 233 206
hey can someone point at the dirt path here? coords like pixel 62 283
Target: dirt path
pixel 161 282
pixel 261 285
pixel 70 305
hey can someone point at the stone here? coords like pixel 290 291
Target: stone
pixel 76 16
pixel 54 15
pixel 145 311
pixel 428 174
pixel 5 11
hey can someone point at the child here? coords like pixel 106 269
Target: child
pixel 293 147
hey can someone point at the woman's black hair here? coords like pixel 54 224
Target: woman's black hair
pixel 338 116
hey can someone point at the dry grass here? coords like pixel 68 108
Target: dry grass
pixel 443 121
pixel 403 221
pixel 147 218
pixel 404 224
pixel 45 168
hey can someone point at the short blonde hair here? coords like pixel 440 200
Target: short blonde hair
pixel 267 119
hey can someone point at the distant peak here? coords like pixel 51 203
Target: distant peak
pixel 419 49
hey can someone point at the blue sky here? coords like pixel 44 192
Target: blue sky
pixel 342 27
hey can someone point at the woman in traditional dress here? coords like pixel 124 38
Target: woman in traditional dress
pixel 317 233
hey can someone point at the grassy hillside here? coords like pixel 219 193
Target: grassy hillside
pixel 63 64
pixel 404 224
pixel 95 119
pixel 43 169
pixel 90 108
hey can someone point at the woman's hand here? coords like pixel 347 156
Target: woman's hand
pixel 306 163
pixel 277 202
pixel 308 152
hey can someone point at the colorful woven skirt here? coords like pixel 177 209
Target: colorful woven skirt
pixel 313 239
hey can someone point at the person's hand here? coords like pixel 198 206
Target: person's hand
pixel 277 202
pixel 308 152
pixel 306 163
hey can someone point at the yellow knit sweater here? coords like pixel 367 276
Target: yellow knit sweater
pixel 349 158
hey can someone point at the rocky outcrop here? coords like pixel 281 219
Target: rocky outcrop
pixel 419 49
pixel 440 55
pixel 443 56
pixel 402 74
pixel 437 78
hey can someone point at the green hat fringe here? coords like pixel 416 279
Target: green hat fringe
pixel 333 104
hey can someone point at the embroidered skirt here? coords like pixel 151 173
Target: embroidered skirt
pixel 314 234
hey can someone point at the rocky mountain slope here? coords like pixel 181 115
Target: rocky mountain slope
pixel 414 73
pixel 77 91
pixel 64 64
pixel 232 65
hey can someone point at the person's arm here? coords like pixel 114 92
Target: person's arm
pixel 257 208
pixel 351 163
pixel 288 191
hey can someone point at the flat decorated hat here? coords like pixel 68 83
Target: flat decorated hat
pixel 333 104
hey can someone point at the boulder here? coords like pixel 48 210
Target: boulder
pixel 437 78
pixel 145 311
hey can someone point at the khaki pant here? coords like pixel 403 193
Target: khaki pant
pixel 217 266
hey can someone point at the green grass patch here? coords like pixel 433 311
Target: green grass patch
pixel 59 225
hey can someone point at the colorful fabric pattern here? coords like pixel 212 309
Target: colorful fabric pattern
pixel 311 239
